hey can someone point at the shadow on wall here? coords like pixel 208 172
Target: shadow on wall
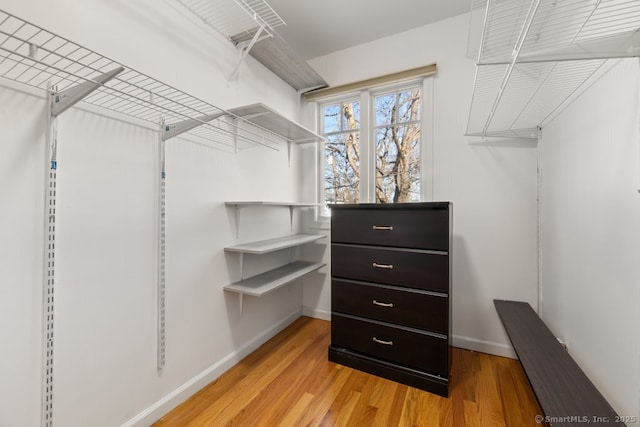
pixel 469 300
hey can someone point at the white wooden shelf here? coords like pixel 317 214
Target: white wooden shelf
pixel 271 245
pixel 291 205
pixel 536 56
pixel 266 118
pixel 268 281
pixel 271 280
pixel 264 203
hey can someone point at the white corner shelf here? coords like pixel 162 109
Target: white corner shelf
pixel 257 203
pixel 271 245
pixel 266 118
pixel 265 203
pixel 535 56
pixel 266 282
pixel 273 279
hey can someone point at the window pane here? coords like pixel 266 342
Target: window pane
pixel 398 164
pixel 341 171
pixel 409 105
pixel 342 168
pixel 350 115
pixel 384 108
pixel 331 119
pixel 398 146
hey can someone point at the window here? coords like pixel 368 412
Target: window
pixel 373 147
pixel 341 172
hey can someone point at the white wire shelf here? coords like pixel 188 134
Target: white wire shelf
pixel 33 56
pixel 232 18
pixel 534 56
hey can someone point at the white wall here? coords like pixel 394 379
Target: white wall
pixel 492 184
pixel 105 325
pixel 590 233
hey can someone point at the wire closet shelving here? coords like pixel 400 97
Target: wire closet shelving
pixel 536 55
pixel 33 56
pixel 232 18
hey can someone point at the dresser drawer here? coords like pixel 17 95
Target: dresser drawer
pixel 411 308
pixel 398 345
pixel 411 269
pixel 408 228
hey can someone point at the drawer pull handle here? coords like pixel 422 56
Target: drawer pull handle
pixel 383 227
pixel 383 304
pixel 385 266
pixel 382 342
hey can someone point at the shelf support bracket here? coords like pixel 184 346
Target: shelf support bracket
pixel 291 217
pixel 241 301
pixel 173 130
pixel 66 99
pixel 237 218
pixel 245 52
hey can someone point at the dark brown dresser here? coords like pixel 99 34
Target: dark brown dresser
pixel 390 291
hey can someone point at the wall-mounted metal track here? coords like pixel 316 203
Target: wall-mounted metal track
pixel 58 102
pixel 166 132
pixel 49 272
pixel 162 240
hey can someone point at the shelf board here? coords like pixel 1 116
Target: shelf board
pixel 262 116
pixel 272 245
pixel 265 203
pixel 268 281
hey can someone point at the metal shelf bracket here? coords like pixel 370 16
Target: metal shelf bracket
pixel 66 99
pixel 173 130
pixel 245 51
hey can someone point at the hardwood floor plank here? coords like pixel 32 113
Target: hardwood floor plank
pixel 323 400
pixel 292 417
pixel 274 400
pixel 290 382
pixel 363 413
pixel 487 397
pixel 382 390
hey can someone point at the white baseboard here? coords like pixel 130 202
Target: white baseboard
pixel 489 347
pixel 316 314
pixel 180 394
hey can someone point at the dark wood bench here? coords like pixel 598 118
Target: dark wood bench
pixel 565 394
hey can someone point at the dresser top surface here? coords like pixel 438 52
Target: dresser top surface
pixel 391 206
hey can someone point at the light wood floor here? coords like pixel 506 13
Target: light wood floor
pixel 289 382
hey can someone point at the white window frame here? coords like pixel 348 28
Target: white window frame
pixel 367 145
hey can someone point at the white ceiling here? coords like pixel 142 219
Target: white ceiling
pixel 318 27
